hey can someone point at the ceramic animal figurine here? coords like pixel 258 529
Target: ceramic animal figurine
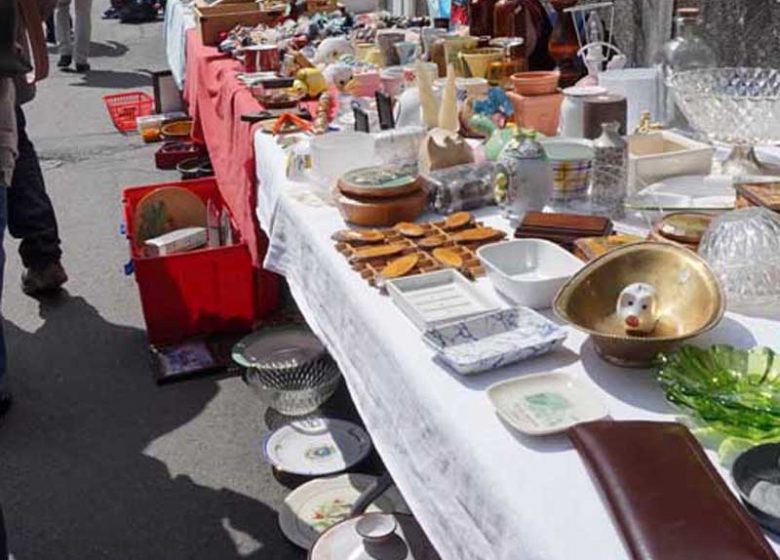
pixel 310 81
pixel 637 308
pixel 331 49
pixel 443 148
pixel 338 75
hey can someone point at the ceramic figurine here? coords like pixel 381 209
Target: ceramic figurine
pixel 310 81
pixel 637 308
pixel 427 98
pixel 525 179
pixel 448 111
pixel 497 137
pixel 443 148
pixel 338 75
pixel 331 49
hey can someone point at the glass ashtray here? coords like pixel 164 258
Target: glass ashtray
pixel 743 249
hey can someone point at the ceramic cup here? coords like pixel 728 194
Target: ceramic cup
pixel 453 45
pixel 366 84
pixel 429 35
pixel 362 50
pixel 407 51
pixel 476 62
pixel 386 40
pixel 374 56
pixel 572 109
pixel 571 162
pixel 392 80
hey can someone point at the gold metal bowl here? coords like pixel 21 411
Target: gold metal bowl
pixel 690 300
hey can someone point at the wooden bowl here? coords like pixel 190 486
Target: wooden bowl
pixel 384 212
pixel 176 130
pixel 535 83
pixel 690 300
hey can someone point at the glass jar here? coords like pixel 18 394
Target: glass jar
pixel 687 50
pixel 610 170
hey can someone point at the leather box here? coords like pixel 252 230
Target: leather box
pixel 563 229
pixel 667 499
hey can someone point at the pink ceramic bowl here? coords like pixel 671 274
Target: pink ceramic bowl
pixel 535 83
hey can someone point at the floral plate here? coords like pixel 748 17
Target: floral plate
pixel 316 446
pixel 494 340
pixel 319 504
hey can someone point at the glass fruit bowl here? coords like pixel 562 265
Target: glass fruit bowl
pixel 734 105
pixel 743 249
pixel 288 369
pixel 734 391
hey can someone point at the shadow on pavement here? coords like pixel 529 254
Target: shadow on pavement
pixel 74 479
pixel 111 79
pixel 110 49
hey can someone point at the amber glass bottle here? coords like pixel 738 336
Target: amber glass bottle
pixel 481 17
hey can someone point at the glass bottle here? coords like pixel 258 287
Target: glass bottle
pixel 563 44
pixel 481 17
pixel 505 15
pixel 610 171
pixel 687 50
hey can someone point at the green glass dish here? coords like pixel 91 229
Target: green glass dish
pixel 734 391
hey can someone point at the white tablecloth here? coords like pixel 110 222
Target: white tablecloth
pixel 178 19
pixel 479 489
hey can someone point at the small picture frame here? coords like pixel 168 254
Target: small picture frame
pixel 167 97
pixel 384 106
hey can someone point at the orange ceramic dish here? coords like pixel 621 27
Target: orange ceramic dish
pixel 535 83
pixel 177 130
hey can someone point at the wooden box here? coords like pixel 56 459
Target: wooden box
pixel 563 229
pixel 221 18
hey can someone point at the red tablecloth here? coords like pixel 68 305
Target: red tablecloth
pixel 216 101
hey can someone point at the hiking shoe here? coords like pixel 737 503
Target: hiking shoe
pixel 5 402
pixel 64 61
pixel 83 67
pixel 50 278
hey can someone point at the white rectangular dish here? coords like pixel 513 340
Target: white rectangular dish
pixel 545 403
pixel 660 155
pixel 494 340
pixel 438 297
pixel 528 271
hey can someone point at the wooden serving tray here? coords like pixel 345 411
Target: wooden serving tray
pixel 563 229
pixel 371 268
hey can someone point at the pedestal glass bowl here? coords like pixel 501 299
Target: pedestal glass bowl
pixel 743 249
pixel 738 106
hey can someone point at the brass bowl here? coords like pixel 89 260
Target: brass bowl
pixel 690 300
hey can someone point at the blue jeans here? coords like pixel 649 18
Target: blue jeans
pixel 30 214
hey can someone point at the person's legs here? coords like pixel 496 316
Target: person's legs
pixel 83 29
pixel 31 218
pixel 62 25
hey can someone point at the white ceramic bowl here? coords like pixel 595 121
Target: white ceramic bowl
pixel 528 271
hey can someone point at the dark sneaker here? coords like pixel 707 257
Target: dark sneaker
pixel 37 281
pixel 64 61
pixel 83 67
pixel 5 402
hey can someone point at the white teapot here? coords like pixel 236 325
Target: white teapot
pixel 637 308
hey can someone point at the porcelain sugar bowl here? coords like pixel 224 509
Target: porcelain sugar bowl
pixel 524 182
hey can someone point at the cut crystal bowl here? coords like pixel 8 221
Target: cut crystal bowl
pixel 743 249
pixel 732 105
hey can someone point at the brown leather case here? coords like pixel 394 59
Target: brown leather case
pixel 664 494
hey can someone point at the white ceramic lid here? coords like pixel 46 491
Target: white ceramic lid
pixel 584 91
pixel 316 446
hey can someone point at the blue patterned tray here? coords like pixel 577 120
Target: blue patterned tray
pixel 494 340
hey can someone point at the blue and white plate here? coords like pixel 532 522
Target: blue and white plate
pixel 494 340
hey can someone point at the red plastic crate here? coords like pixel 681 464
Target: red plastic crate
pixel 197 293
pixel 125 108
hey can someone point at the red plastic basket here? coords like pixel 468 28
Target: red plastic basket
pixel 125 108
